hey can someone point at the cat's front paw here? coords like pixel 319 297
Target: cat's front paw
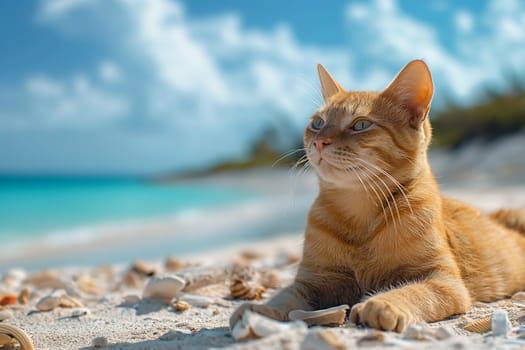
pixel 380 314
pixel 264 310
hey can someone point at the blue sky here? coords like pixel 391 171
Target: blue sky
pixel 142 87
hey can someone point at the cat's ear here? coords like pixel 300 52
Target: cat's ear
pixel 329 86
pixel 414 89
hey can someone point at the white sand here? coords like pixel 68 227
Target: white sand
pixel 147 324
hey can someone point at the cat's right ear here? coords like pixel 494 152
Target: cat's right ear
pixel 329 86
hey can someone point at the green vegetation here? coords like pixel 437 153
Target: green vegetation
pixel 499 114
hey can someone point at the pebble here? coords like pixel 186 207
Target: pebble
pixel 99 342
pixel 142 268
pixel 5 314
pixel 23 297
pixel 181 306
pixel 9 299
pixel 174 263
pixel 80 312
pixel 500 323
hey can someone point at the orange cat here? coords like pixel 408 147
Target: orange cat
pixel 380 236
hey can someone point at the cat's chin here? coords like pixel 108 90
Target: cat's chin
pixel 337 177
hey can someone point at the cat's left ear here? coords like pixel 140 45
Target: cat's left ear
pixel 413 87
pixel 329 86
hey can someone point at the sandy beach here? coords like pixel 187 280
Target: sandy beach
pixel 109 305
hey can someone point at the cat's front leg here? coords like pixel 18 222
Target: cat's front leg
pixel 290 298
pixel 430 300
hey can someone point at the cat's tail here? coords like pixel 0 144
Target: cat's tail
pixel 511 218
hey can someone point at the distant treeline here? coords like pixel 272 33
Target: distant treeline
pixel 497 115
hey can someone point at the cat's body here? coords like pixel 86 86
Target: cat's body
pixel 380 237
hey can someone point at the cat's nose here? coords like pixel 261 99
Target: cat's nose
pixel 321 142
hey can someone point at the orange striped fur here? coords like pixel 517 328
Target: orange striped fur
pixel 380 236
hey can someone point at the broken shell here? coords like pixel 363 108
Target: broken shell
pixel 87 284
pixel 199 300
pixel 442 333
pixel 251 255
pixel 142 268
pixel 99 342
pixel 332 316
pixel 374 338
pixel 482 325
pixel 181 306
pixel 69 302
pixel 245 290
pixel 199 277
pixel 418 332
pixel 253 326
pixel 164 287
pixel 324 339
pixel 132 279
pixel 9 299
pixel 23 297
pixel 519 296
pixel 19 335
pixel 5 314
pixel 48 303
pixel 80 312
pixel 500 323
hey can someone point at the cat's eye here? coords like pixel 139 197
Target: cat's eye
pixel 361 125
pixel 317 123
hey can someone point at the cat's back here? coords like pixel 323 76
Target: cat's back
pixel 491 256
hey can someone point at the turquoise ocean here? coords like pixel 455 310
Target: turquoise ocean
pixel 54 221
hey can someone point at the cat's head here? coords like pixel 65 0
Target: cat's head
pixel 358 136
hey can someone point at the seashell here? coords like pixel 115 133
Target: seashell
pixel 143 269
pixel 199 300
pixel 519 296
pixel 245 290
pixel 332 316
pixel 199 277
pixel 270 279
pixel 500 323
pixel 69 302
pixel 5 314
pixel 482 325
pixel 87 284
pixel 46 279
pixel 181 306
pixel 48 303
pixel 9 299
pixel 13 332
pixel 163 287
pixel 99 342
pixel 80 312
pixel 374 338
pixel 254 326
pixel 251 255
pixel 23 297
pixel 322 340
pixel 174 263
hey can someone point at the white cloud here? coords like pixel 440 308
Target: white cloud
pixel 56 8
pixel 464 21
pixel 109 72
pixel 389 37
pixel 76 102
